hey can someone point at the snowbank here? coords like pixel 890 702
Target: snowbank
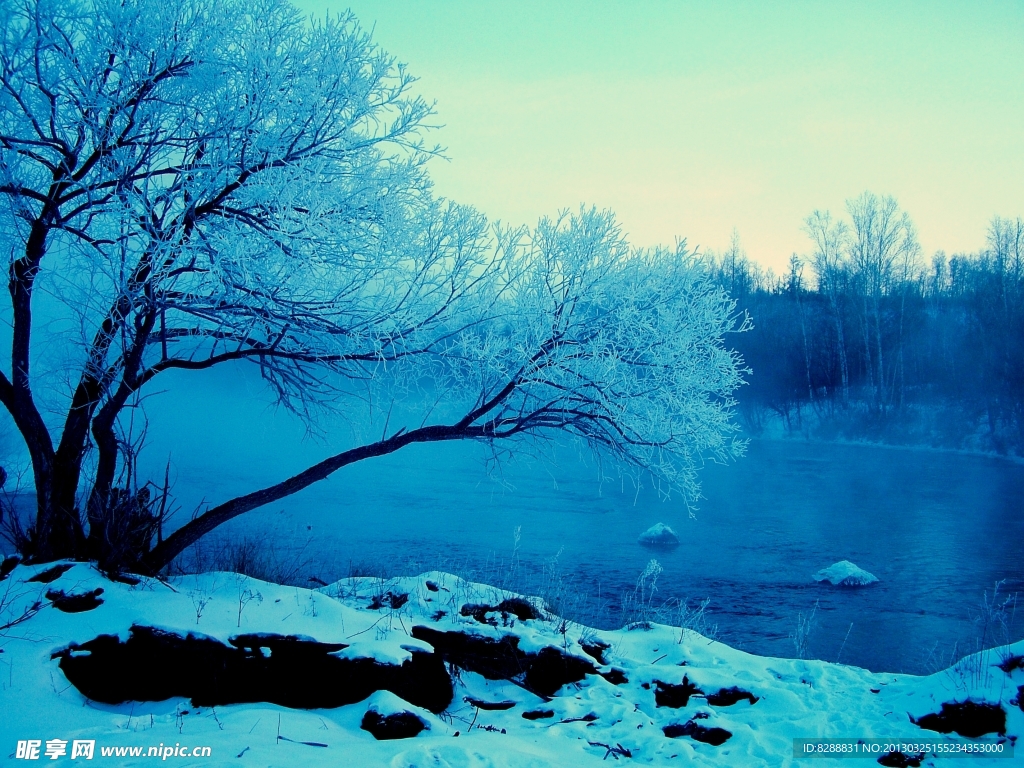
pixel 845 574
pixel 652 696
pixel 659 535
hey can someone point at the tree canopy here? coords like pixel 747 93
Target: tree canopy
pixel 197 183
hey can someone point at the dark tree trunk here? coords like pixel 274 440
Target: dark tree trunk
pixel 57 532
pixel 162 555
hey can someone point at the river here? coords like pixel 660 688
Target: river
pixel 938 529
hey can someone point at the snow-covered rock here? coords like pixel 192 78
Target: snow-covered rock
pixel 662 696
pixel 845 574
pixel 389 717
pixel 659 535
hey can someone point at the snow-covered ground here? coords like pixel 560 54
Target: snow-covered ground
pixel 626 688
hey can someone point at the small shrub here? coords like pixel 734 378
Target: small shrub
pixel 804 629
pixel 694 619
pixel 638 608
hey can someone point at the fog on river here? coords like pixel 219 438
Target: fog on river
pixel 939 529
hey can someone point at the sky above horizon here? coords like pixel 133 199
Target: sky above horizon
pixel 692 119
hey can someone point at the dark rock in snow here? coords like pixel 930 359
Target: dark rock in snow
pixel 539 714
pixel 79 603
pixel 288 645
pixel 675 696
pixel 1010 663
pixel 522 609
pixel 713 736
pixel 479 612
pixel 400 725
pixel 595 649
pixel 489 705
pixel 1019 701
pixel 726 697
pixel 550 669
pixel 153 665
pixel 542 673
pixel 432 586
pixel 900 760
pixel 393 600
pixel 52 574
pixel 587 718
pixel 123 578
pixel 615 676
pixel 8 565
pixel 494 659
pixel 659 535
pixel 967 718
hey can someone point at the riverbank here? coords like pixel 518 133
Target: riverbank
pixel 783 437
pixel 272 675
pixel 938 529
pixel 915 427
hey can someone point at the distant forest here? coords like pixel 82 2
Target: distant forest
pixel 865 339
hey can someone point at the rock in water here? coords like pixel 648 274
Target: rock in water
pixel 845 574
pixel 659 535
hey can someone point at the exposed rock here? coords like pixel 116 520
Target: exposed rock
pixel 659 535
pixel 542 673
pixel 123 578
pixel 390 717
pixel 587 718
pixel 522 609
pixel 400 725
pixel 490 706
pixel 714 736
pixel 539 714
pixel 675 696
pixel 79 603
pixel 900 760
pixel 550 669
pixel 52 574
pixel 393 600
pixel 1011 663
pixel 595 649
pixel 498 659
pixel 8 565
pixel 967 718
pixel 726 697
pixel 845 574
pixel 615 676
pixel 153 665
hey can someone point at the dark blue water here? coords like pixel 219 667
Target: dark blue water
pixel 938 529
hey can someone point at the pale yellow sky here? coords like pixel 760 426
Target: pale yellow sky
pixel 689 119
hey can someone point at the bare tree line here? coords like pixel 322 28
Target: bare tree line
pixel 864 338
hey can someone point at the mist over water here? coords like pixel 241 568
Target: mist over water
pixel 938 529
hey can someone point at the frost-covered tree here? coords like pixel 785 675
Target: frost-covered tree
pixel 884 253
pixel 188 184
pixel 831 247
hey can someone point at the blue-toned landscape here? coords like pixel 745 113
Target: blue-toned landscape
pixel 525 385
